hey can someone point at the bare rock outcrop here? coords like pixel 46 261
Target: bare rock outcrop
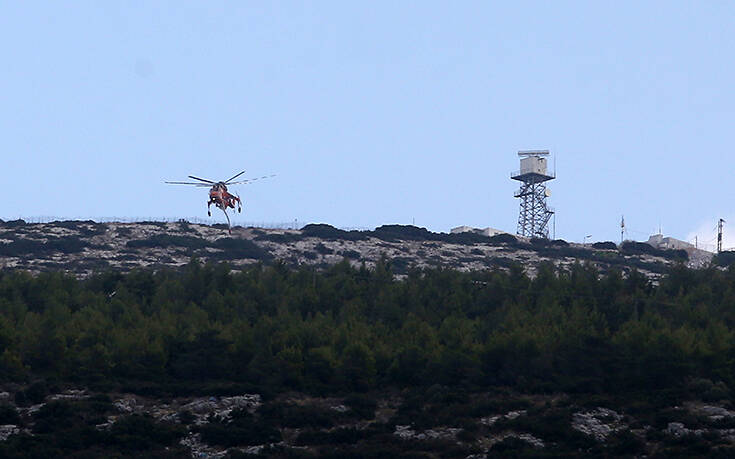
pixel 599 423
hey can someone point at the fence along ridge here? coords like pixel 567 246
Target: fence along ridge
pixel 291 225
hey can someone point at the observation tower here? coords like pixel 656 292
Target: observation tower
pixel 533 220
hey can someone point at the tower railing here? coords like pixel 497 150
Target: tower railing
pixel 531 171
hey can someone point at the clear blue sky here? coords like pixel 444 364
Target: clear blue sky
pixel 372 112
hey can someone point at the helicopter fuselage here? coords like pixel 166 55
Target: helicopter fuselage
pixel 223 199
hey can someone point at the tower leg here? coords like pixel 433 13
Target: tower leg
pixel 534 216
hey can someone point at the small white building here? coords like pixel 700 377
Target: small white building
pixel 462 229
pixel 698 257
pixel 484 231
pixel 661 242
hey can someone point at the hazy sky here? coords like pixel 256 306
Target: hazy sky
pixel 372 112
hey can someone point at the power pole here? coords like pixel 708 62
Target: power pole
pixel 622 228
pixel 719 235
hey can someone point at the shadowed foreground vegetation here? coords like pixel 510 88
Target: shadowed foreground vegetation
pixel 270 329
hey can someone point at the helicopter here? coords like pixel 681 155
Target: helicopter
pixel 218 194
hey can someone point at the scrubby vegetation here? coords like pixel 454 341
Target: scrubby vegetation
pixel 233 248
pixel 388 233
pixel 606 245
pixel 726 258
pixel 68 428
pixel 607 253
pixel 637 248
pixel 84 227
pixel 29 247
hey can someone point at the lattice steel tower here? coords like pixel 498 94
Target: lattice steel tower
pixel 533 220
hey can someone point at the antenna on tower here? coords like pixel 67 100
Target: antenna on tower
pixel 719 235
pixel 533 219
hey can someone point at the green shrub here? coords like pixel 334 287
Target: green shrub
pixel 510 446
pixel 362 405
pixel 244 433
pixel 638 248
pixel 8 415
pixel 323 249
pixel 167 240
pixel 726 258
pixel 14 223
pixel 607 245
pixel 142 433
pixel 338 436
pixel 86 228
pixel 186 417
pixel 281 238
pixel 236 248
pixel 242 429
pixel 393 233
pixel 37 392
pixel 296 416
pixel 26 247
pixel 329 232
pixel 351 254
pixel 503 238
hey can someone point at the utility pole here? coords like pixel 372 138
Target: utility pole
pixel 622 228
pixel 719 235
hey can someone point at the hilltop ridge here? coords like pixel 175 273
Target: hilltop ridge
pixel 85 247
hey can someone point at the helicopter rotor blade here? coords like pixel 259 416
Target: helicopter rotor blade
pixel 201 179
pixel 188 183
pixel 245 182
pixel 227 182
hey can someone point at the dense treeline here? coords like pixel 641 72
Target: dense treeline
pixel 355 329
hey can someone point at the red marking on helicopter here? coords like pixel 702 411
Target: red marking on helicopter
pixel 218 194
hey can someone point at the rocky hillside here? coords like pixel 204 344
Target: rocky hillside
pixel 460 425
pixel 84 247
